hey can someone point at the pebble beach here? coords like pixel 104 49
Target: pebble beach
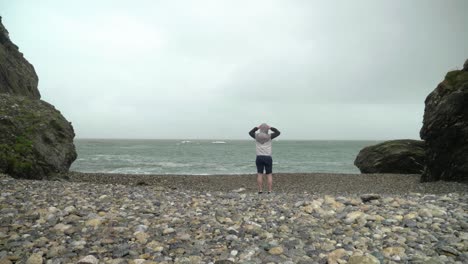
pixel 309 218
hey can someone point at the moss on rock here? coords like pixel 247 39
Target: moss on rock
pixel 36 140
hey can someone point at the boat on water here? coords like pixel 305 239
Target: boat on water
pixel 218 142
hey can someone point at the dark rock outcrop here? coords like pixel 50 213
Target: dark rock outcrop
pixel 395 156
pixel 17 75
pixel 36 141
pixel 445 129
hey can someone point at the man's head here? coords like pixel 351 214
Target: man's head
pixel 264 128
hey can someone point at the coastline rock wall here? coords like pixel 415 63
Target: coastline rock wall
pixel 17 75
pixel 445 129
pixel 36 141
pixel 394 156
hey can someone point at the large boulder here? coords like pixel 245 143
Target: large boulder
pixel 36 141
pixel 17 75
pixel 445 129
pixel 396 156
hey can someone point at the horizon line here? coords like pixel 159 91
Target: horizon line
pixel 238 139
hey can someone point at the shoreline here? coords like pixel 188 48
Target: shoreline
pixel 320 183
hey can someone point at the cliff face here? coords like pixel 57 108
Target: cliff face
pixel 445 129
pixel 17 75
pixel 36 141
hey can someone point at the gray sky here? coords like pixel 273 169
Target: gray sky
pixel 214 69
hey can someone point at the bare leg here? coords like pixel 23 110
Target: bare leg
pixel 260 182
pixel 270 181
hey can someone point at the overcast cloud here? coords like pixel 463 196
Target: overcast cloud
pixel 214 69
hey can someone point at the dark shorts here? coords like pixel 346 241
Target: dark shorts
pixel 264 163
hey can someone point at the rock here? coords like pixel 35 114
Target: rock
pixel 352 216
pixel 35 258
pixel 142 237
pixel 276 251
pixel 36 141
pixel 395 156
pixel 447 250
pixel 335 255
pixel 369 259
pixel 90 259
pixel 168 231
pixel 95 222
pixel 69 209
pixel 369 197
pixel 61 227
pixel 224 261
pixel 393 251
pixel 308 209
pixel 56 251
pixel 239 190
pixel 17 75
pixel 5 260
pixel 445 129
pixel 121 251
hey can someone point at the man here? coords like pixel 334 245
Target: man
pixel 264 161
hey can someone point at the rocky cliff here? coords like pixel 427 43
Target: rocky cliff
pixel 17 75
pixel 36 141
pixel 445 129
pixel 394 156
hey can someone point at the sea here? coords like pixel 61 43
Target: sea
pixel 213 157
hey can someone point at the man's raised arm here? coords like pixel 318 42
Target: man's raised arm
pixel 252 132
pixel 276 132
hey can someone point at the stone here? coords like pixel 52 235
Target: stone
pixel 5 260
pixel 121 251
pixel 90 259
pixel 393 251
pixel 335 255
pixel 447 250
pixel 55 251
pixel 95 222
pixel 36 141
pixel 276 251
pixel 69 209
pixel 35 258
pixel 168 231
pixel 61 227
pixel 394 156
pixel 352 216
pixel 369 197
pixel 369 259
pixel 445 129
pixel 424 212
pixel 141 237
pixel 308 209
